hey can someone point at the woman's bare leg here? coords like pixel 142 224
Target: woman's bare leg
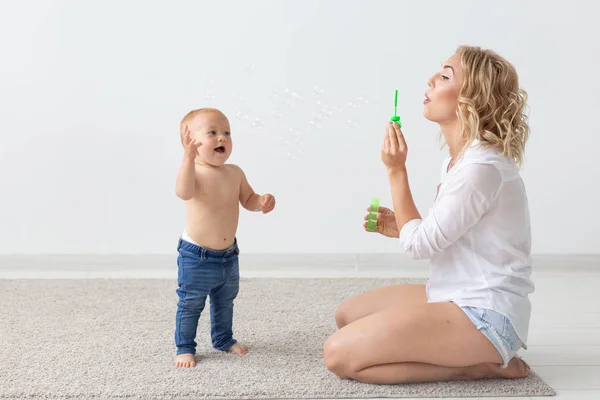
pixel 407 372
pixel 417 343
pixel 377 300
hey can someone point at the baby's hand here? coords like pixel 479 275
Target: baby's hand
pixel 267 203
pixel 190 145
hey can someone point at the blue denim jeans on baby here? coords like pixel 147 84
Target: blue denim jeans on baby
pixel 203 272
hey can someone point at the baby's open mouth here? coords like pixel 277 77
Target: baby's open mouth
pixel 220 149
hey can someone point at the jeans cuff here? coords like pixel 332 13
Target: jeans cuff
pixel 185 350
pixel 227 345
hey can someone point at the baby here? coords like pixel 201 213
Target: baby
pixel 208 251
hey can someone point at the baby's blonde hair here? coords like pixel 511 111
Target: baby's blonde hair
pixel 491 105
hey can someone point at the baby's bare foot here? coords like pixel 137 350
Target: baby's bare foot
pixel 239 349
pixel 516 369
pixel 185 361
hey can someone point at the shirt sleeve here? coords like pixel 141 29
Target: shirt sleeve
pixel 467 195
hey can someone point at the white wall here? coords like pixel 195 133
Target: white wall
pixel 91 95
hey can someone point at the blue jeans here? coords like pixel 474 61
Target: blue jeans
pixel 203 272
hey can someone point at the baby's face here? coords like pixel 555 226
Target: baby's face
pixel 211 128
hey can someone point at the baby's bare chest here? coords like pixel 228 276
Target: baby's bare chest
pixel 221 187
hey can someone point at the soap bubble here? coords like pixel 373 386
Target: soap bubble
pixel 326 111
pixel 241 115
pixel 317 91
pixel 209 96
pixel 292 144
pixel 316 125
pixel 354 125
pixel 359 101
pixel 286 97
pixel 322 116
pixel 292 133
pixel 277 114
pixel 316 121
pixel 258 123
pixel 292 98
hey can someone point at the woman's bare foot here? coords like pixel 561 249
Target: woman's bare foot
pixel 516 369
pixel 239 349
pixel 185 361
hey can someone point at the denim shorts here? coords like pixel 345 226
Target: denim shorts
pixel 498 329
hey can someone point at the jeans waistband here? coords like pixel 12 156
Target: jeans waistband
pixel 206 252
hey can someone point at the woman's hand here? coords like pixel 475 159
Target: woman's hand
pixel 386 223
pixel 394 149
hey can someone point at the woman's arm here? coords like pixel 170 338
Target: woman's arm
pixel 393 155
pixel 465 198
pixel 404 206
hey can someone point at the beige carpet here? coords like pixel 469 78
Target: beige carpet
pixel 114 339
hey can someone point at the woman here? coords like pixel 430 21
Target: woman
pixel 472 317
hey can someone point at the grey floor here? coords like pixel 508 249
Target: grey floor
pixel 564 345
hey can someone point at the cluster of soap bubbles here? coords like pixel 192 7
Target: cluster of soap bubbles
pixel 257 123
pixel 291 139
pixel 355 107
pixel 321 115
pixel 242 114
pixel 209 95
pixel 292 144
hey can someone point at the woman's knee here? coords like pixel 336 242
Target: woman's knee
pixel 334 356
pixel 340 316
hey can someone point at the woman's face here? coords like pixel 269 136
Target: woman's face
pixel 441 100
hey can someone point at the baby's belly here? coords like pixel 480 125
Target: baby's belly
pixel 214 231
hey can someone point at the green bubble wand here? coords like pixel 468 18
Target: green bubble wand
pixel 396 118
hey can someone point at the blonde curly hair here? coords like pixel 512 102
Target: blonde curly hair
pixel 491 105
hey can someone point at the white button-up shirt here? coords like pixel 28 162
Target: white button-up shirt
pixel 478 237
